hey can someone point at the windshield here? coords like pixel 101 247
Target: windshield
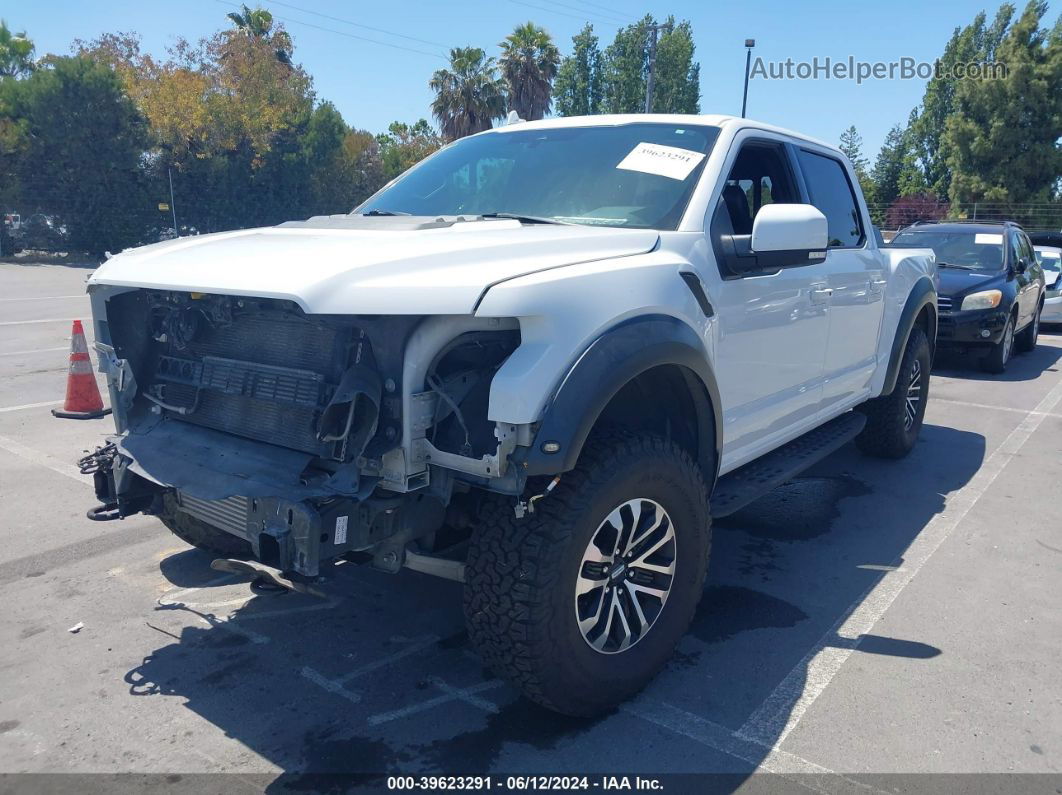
pixel 968 250
pixel 630 175
pixel 1050 259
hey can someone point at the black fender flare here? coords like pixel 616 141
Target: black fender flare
pixel 923 294
pixel 609 363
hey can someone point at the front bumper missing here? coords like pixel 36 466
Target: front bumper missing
pixel 291 535
pixel 295 536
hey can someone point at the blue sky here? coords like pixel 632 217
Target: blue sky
pixel 373 84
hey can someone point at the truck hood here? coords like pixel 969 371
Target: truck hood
pixel 349 265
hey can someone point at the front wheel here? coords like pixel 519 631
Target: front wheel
pixel 895 420
pixel 995 361
pixel 582 602
pixel 1026 340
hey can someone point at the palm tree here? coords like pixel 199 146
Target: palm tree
pixel 469 95
pixel 16 53
pixel 258 24
pixel 529 63
pixel 255 22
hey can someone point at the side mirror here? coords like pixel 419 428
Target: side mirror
pixel 783 236
pixel 797 228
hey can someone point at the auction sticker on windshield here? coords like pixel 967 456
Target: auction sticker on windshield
pixel 665 161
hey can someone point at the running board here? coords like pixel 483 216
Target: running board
pixel 736 489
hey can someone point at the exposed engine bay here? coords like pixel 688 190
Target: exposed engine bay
pixel 309 436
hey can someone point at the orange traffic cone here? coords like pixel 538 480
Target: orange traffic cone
pixel 83 401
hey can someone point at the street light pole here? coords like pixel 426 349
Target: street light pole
pixel 749 44
pixel 173 207
pixel 650 82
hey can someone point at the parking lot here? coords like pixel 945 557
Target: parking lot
pixel 870 617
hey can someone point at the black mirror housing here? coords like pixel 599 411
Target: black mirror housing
pixel 740 260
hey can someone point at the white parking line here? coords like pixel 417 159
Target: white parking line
pixel 991 407
pixel 783 709
pixel 416 645
pixel 466 694
pixel 29 322
pixel 43 459
pixel 177 598
pixel 331 685
pixel 31 406
pixel 44 297
pixel 338 685
pixel 36 350
pixel 710 734
pixel 230 625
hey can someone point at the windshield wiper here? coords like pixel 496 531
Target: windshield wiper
pixel 385 212
pixel 525 219
pixel 957 267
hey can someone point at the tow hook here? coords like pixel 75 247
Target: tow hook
pixel 98 464
pixel 522 508
pixel 104 512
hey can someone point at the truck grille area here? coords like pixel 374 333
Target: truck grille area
pixel 255 368
pixel 260 377
pixel 276 423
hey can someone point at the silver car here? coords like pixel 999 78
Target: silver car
pixel 1050 259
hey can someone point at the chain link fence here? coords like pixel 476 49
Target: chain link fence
pixel 52 223
pixel 1033 217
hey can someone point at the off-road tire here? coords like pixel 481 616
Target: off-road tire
pixel 521 574
pixel 1025 342
pixel 887 433
pixel 201 535
pixel 999 355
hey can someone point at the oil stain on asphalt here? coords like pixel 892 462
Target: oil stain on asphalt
pixel 802 509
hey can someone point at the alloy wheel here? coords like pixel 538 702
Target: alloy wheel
pixel 1008 340
pixel 625 576
pixel 913 397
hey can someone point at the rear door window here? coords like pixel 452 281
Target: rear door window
pixel 831 192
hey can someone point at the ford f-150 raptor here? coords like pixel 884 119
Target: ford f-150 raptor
pixel 539 362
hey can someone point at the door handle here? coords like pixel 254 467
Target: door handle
pixel 821 295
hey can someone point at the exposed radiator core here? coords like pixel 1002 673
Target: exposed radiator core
pixel 266 376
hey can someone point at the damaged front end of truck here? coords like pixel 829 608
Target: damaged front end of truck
pixel 310 437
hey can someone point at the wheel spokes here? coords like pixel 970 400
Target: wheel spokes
pixel 587 625
pixel 624 626
pixel 914 395
pixel 625 576
pixel 638 536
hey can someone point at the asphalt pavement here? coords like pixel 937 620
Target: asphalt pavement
pixel 870 617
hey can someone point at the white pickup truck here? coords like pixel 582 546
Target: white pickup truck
pixel 539 363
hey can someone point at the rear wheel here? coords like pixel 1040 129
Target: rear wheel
pixel 582 602
pixel 1026 340
pixel 895 420
pixel 995 361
